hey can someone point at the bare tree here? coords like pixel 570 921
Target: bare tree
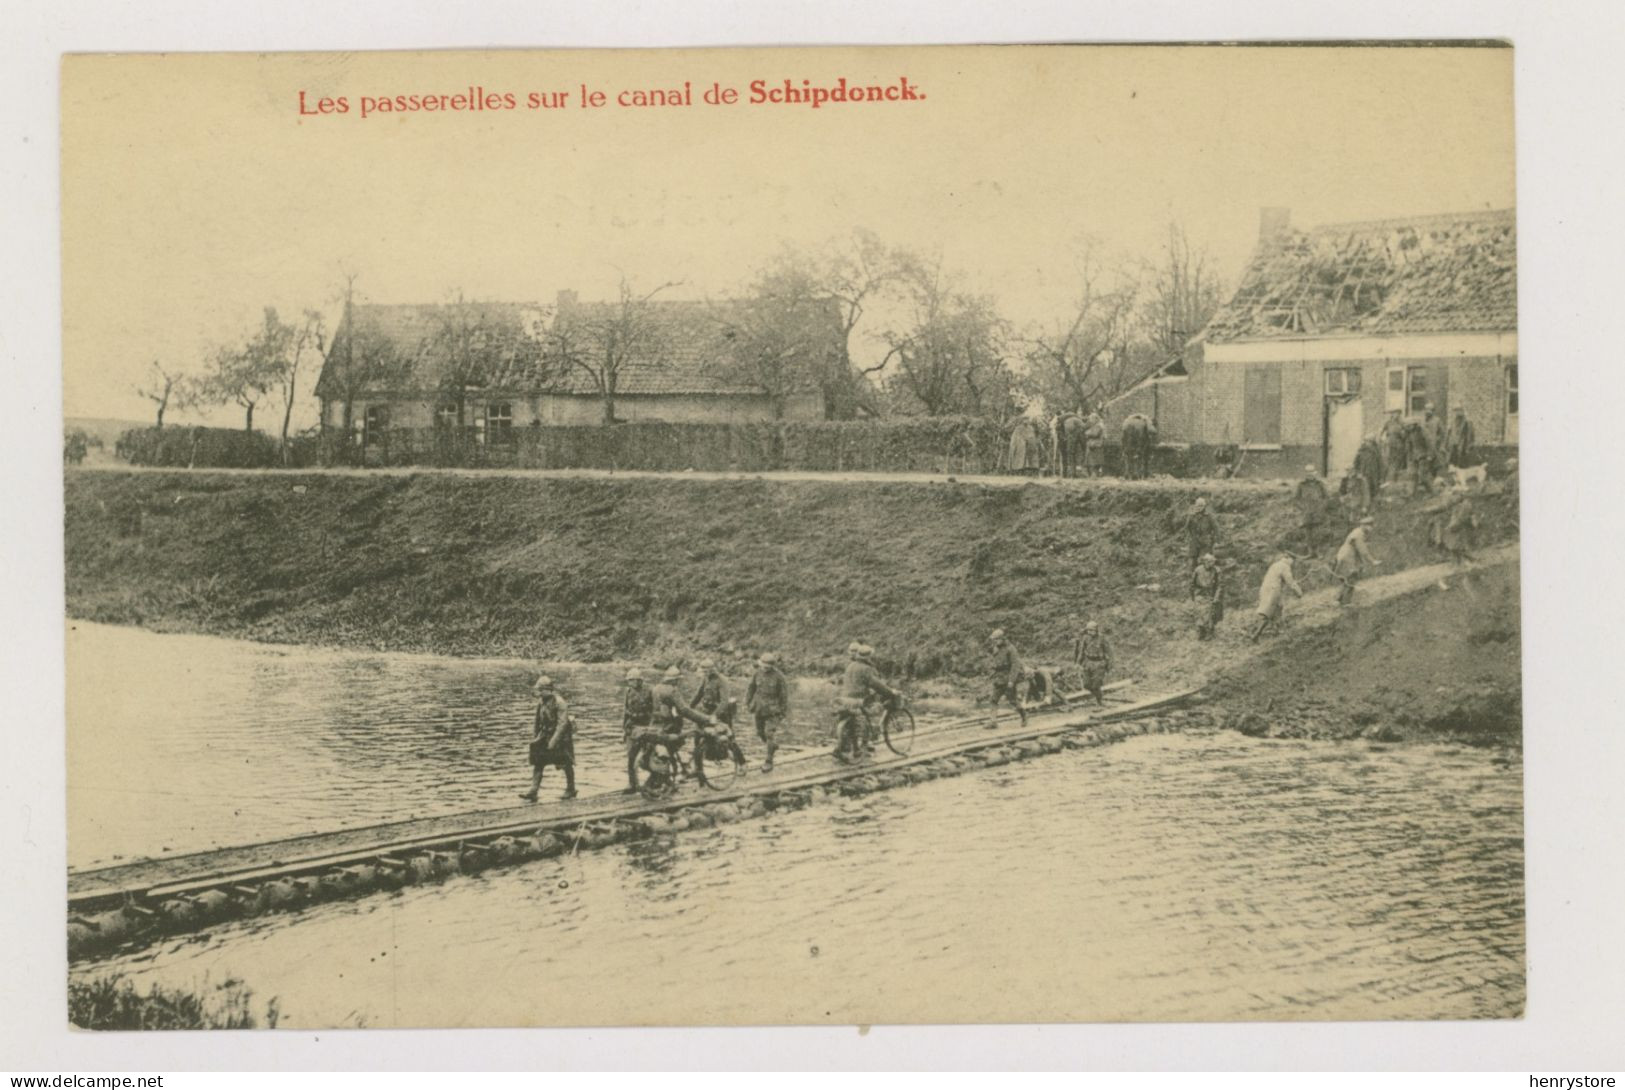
pixel 358 358
pixel 952 358
pixel 848 277
pixel 782 343
pixel 468 346
pixel 598 341
pixel 309 335
pixel 1182 296
pixel 1080 357
pixel 168 389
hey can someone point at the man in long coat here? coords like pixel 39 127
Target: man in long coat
pixel 1352 558
pixel 552 739
pixel 1272 594
pixel 1201 532
pixel 1459 439
pixel 1311 499
pixel 1026 453
pixel 1094 453
pixel 1368 467
pixel 1392 440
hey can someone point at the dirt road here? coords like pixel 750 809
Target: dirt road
pixel 1153 485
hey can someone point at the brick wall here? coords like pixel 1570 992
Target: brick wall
pixel 1478 384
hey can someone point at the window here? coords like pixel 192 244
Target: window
pixel 1416 394
pixel 1409 390
pixel 377 419
pixel 1396 390
pixel 445 415
pixel 498 421
pixel 1512 390
pixel 1342 380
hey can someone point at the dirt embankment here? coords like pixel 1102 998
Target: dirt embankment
pixel 1444 662
pixel 659 570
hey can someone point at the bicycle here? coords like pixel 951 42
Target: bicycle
pixel 659 772
pixel 896 729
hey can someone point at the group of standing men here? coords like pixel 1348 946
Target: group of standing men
pixel 1422 450
pixel 1074 444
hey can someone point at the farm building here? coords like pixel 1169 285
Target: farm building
pixel 1334 327
pixel 489 368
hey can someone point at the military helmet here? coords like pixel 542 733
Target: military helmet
pixel 672 673
pixel 768 658
pixel 1091 627
pixel 543 684
pixel 708 664
pixel 864 651
pixel 634 674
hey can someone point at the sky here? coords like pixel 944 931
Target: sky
pixel 195 193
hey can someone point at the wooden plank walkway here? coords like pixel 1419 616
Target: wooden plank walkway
pixel 184 874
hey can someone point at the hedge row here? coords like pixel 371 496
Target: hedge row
pixel 936 444
pixel 219 448
pixel 968 445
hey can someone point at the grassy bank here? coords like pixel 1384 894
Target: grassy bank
pixel 663 570
pixel 111 1002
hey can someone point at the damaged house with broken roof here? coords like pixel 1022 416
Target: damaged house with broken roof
pixel 482 371
pixel 1332 328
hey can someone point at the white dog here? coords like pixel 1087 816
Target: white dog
pixel 1470 475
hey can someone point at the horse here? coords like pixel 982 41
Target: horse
pixel 1139 436
pixel 1072 444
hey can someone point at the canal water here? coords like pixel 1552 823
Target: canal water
pixel 183 743
pixel 1168 877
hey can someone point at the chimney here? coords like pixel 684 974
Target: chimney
pixel 567 300
pixel 1273 223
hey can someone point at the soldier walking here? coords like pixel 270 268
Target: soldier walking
pixel 1207 591
pixel 1008 672
pixel 1094 656
pixel 637 715
pixel 1352 557
pixel 1272 595
pixel 1368 470
pixel 1311 499
pixel 1201 532
pixel 552 740
pixel 768 698
pixel 711 698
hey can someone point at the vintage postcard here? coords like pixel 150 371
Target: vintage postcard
pixel 781 536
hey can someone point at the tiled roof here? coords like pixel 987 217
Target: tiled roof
pixel 684 348
pixel 1424 274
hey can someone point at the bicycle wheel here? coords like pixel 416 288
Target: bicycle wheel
pixel 898 727
pixel 654 771
pixel 718 763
